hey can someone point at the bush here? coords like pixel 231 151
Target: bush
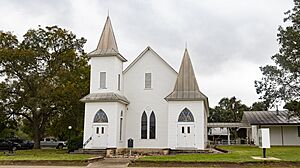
pixel 75 143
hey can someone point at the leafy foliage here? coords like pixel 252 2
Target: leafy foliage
pixel 293 106
pixel 281 82
pixel 259 106
pixel 228 110
pixel 45 75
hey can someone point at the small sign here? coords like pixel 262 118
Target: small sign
pixel 130 143
pixel 264 137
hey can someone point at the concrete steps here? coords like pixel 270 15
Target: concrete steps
pixel 101 152
pixel 188 151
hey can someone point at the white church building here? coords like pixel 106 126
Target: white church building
pixel 148 102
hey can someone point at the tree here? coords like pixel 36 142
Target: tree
pixel 259 106
pixel 45 75
pixel 228 110
pixel 281 82
pixel 293 106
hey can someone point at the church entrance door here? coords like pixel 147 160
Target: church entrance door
pixel 185 135
pixel 100 136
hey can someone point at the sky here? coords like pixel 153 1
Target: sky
pixel 227 40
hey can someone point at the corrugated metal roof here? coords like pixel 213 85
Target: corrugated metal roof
pixel 105 97
pixel 186 86
pixel 107 45
pixel 225 125
pixel 270 118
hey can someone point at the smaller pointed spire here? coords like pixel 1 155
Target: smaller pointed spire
pixel 186 86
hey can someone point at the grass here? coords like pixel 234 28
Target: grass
pixel 238 154
pixel 44 154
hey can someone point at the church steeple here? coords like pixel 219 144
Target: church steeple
pixel 186 86
pixel 107 45
pixel 107 40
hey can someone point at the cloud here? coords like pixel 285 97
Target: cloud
pixel 227 40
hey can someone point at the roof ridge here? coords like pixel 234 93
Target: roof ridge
pixel 148 48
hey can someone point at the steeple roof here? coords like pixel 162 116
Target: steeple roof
pixel 107 45
pixel 186 86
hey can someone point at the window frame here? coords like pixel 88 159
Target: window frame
pixel 121 126
pixel 103 85
pixel 186 116
pixel 148 80
pixel 100 117
pixel 144 126
pixel 119 81
pixel 152 126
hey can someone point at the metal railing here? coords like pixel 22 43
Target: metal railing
pixel 87 141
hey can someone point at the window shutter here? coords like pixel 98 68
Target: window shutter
pixel 147 80
pixel 102 80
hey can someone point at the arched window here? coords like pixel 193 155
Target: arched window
pixel 186 116
pixel 144 126
pixel 152 125
pixel 100 117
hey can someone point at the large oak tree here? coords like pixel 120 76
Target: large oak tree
pixel 45 75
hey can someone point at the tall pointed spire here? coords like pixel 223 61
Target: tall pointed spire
pixel 107 45
pixel 107 40
pixel 186 86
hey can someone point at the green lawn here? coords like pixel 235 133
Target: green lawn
pixel 237 154
pixel 44 154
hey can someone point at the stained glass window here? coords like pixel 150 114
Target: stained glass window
pixel 186 116
pixel 152 125
pixel 100 117
pixel 144 126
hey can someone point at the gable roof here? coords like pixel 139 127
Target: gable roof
pixel 142 54
pixel 107 45
pixel 270 118
pixel 186 86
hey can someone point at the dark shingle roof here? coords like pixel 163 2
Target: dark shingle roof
pixel 270 118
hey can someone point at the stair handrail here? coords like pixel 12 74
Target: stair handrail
pixel 87 141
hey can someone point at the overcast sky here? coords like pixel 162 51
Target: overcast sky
pixel 227 40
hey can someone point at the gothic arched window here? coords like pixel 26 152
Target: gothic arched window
pixel 186 116
pixel 144 126
pixel 100 117
pixel 152 125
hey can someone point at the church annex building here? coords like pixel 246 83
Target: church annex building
pixel 148 102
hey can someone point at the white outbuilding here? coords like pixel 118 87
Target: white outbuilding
pixel 148 102
pixel 283 125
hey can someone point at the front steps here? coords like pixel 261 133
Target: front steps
pixel 111 152
pixel 189 151
pixel 101 152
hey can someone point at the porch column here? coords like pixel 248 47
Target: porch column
pixel 228 136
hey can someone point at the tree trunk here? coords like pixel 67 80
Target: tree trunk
pixel 36 134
